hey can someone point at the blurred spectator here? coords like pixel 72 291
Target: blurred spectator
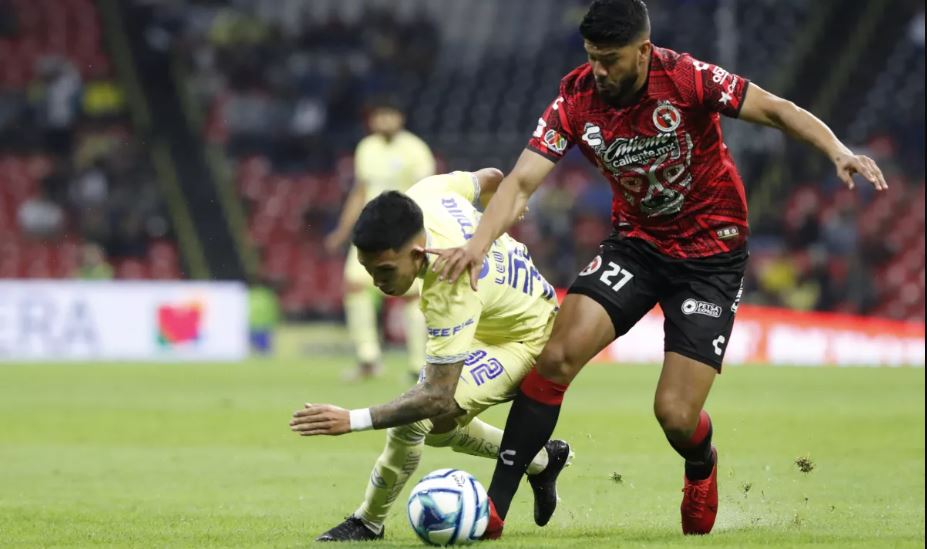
pixel 102 98
pixel 40 217
pixel 93 264
pixel 55 95
pixel 263 316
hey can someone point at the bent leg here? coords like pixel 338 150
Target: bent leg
pixel 582 329
pixel 480 439
pixel 681 393
pixel 678 405
pixel 393 468
pixel 490 376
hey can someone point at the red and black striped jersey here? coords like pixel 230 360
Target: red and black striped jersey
pixel 673 179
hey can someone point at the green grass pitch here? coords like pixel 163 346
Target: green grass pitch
pixel 200 455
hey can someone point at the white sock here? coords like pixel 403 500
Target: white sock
pixel 395 465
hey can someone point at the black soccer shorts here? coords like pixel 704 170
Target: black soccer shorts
pixel 699 297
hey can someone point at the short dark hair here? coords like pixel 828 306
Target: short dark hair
pixel 387 222
pixel 615 22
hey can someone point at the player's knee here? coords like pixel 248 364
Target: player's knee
pixel 675 417
pixel 408 435
pixel 555 364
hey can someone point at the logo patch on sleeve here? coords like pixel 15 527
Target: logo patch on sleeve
pixel 555 141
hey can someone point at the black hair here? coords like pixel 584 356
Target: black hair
pixel 615 22
pixel 387 222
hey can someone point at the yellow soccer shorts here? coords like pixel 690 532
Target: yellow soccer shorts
pixel 492 373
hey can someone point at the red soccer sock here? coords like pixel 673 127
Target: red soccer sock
pixel 697 449
pixel 540 389
pixel 702 430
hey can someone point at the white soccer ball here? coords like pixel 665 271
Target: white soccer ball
pixel 448 507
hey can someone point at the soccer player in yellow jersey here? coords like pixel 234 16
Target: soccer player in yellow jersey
pixel 390 158
pixel 480 344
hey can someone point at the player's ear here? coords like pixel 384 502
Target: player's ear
pixel 644 49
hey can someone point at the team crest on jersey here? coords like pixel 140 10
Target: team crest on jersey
pixel 666 117
pixel 555 141
pixel 592 267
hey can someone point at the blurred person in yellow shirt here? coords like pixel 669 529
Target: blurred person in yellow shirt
pixel 93 264
pixel 389 159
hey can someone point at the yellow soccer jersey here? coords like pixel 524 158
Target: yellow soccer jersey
pixel 513 302
pixel 393 165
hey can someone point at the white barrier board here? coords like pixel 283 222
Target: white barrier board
pixel 76 320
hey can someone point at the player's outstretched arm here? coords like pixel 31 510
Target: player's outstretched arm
pixel 504 209
pixel 433 397
pixel 762 107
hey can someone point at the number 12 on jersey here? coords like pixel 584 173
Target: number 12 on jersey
pixel 612 270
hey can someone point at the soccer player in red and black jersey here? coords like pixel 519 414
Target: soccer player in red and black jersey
pixel 648 117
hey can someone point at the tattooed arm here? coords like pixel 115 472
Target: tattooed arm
pixel 433 397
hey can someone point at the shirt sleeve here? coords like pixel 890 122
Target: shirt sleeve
pixel 465 184
pixel 361 162
pixel 451 315
pixel 716 89
pixel 423 162
pixel 553 136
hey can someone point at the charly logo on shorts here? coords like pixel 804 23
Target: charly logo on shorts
pixel 694 307
pixel 592 267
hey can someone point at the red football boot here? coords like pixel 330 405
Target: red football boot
pixel 494 528
pixel 700 502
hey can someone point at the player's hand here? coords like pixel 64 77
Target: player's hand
pixel 334 241
pixel 850 164
pixel 450 263
pixel 320 419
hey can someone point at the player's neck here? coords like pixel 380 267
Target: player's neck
pixel 640 88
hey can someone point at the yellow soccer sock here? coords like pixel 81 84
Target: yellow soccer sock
pixel 395 465
pixel 361 314
pixel 415 335
pixel 480 439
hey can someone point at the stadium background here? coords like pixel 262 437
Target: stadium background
pixel 213 139
pixel 147 140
